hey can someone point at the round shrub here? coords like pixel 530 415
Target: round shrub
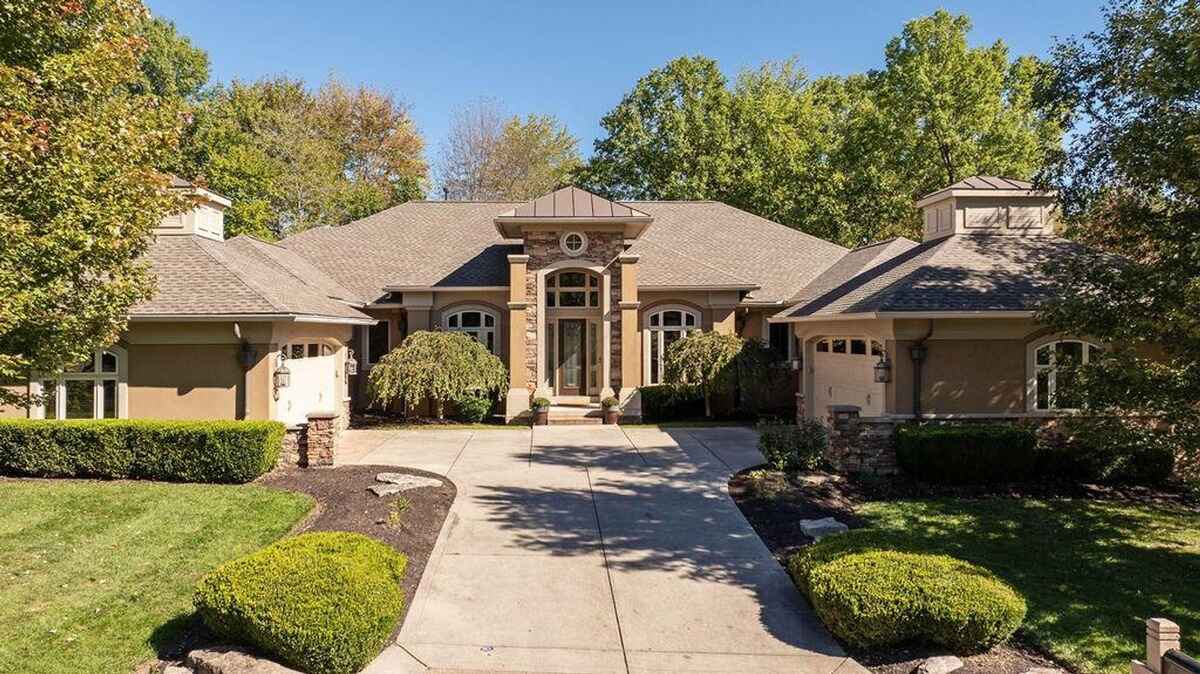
pixel 473 408
pixel 793 447
pixel 871 597
pixel 324 602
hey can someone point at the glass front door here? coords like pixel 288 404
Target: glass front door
pixel 571 373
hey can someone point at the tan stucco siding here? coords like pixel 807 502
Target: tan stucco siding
pixel 977 376
pixel 10 412
pixel 184 381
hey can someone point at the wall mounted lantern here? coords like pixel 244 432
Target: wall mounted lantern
pixel 351 363
pixel 883 370
pixel 918 351
pixel 283 376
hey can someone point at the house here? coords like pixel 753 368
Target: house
pixel 580 297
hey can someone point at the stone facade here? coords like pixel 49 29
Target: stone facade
pixel 313 443
pixel 861 445
pixel 543 250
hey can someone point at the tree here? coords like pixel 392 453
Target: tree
pixel 705 359
pixel 838 157
pixel 171 66
pixel 291 160
pixel 1130 191
pixel 79 190
pixel 436 367
pixel 490 156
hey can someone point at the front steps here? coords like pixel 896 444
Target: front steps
pixel 587 413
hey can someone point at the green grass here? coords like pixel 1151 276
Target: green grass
pixel 1091 571
pixel 95 575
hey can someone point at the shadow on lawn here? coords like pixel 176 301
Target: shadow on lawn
pixel 1091 571
pixel 660 508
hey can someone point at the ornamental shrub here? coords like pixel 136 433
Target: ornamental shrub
pixel 870 596
pixel 671 402
pixel 182 451
pixel 325 603
pixel 1110 450
pixel 438 367
pixel 473 408
pixel 967 453
pixel 791 447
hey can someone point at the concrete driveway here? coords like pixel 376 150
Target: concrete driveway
pixel 596 549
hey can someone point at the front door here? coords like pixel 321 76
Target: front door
pixel 571 370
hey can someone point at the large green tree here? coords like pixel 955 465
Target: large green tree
pixel 491 155
pixel 1130 188
pixel 79 189
pixel 172 67
pixel 291 159
pixel 841 158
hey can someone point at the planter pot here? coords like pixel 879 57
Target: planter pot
pixel 610 416
pixel 541 417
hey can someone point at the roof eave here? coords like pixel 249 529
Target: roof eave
pixel 942 195
pixel 289 317
pixel 782 317
pixel 510 226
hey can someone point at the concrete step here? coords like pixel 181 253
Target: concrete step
pixel 575 414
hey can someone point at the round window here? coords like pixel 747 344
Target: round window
pixel 573 243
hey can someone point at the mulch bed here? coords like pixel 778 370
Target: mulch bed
pixel 344 504
pixel 775 503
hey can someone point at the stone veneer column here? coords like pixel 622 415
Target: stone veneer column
pixel 631 343
pixel 320 439
pixel 520 342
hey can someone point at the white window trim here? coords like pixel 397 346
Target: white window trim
pixel 484 311
pixel 586 289
pixel 121 376
pixel 562 243
pixel 656 333
pixel 1032 368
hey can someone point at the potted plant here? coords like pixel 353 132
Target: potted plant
pixel 612 409
pixel 541 411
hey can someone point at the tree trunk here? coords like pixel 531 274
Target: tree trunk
pixel 437 404
pixel 707 406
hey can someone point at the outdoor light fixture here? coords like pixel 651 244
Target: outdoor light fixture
pixel 918 352
pixel 283 376
pixel 351 363
pixel 883 370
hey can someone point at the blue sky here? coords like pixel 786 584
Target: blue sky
pixel 573 60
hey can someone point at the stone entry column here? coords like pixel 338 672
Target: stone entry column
pixel 520 342
pixel 631 341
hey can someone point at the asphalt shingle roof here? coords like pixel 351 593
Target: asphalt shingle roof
pixel 955 273
pixel 201 276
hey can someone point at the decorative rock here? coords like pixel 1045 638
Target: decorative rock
pixel 818 529
pixel 1043 670
pixel 385 489
pixel 232 660
pixel 176 669
pixel 406 481
pixel 941 664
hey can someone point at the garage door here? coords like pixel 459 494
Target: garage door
pixel 314 383
pixel 844 374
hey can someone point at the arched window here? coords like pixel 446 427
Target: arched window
pixel 476 322
pixel 91 390
pixel 1052 383
pixel 663 328
pixel 573 289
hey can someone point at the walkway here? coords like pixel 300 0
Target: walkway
pixel 597 549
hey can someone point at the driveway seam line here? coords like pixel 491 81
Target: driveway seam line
pixel 637 450
pixel 708 449
pixel 414 657
pixel 460 453
pixel 607 569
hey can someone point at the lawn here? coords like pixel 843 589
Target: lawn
pixel 1091 571
pixel 97 574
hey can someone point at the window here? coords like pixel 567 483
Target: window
pixel 664 328
pixel 378 341
pixel 780 337
pixel 1053 381
pixel 573 243
pixel 857 346
pixel 91 390
pixel 573 289
pixel 309 350
pixel 478 323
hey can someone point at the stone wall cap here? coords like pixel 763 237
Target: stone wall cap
pixel 516 257
pixel 321 415
pixel 1161 626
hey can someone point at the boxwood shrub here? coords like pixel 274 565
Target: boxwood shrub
pixel 871 596
pixel 186 451
pixel 672 402
pixel 790 447
pixel 325 603
pixel 967 453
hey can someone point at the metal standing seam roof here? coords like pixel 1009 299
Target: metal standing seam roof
pixel 572 202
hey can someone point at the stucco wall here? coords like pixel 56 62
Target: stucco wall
pixel 186 381
pixel 972 376
pixel 9 412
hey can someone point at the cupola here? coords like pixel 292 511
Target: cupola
pixel 206 218
pixel 988 205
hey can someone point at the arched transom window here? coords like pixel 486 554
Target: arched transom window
pixel 573 289
pixel 1053 382
pixel 477 322
pixel 663 328
pixel 90 390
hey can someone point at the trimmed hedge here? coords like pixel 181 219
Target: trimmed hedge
pixel 968 453
pixel 790 447
pixel 323 602
pixel 870 596
pixel 179 451
pixel 1109 450
pixel 672 402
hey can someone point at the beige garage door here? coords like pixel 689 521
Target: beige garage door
pixel 843 374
